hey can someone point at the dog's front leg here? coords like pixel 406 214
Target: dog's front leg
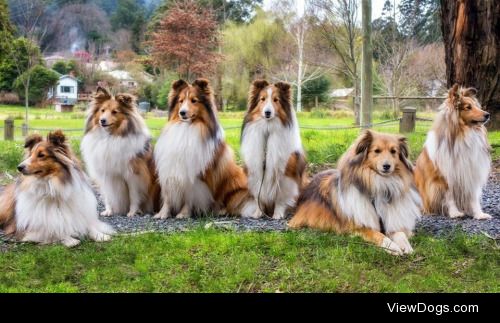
pixel 164 211
pixel 184 213
pixel 453 211
pixel 137 190
pixel 108 210
pixel 477 212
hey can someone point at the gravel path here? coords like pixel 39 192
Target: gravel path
pixel 436 225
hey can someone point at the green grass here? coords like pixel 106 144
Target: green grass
pixel 214 261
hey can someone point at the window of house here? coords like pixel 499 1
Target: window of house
pixel 67 89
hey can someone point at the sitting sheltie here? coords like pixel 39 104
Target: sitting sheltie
pixel 371 194
pixel 455 162
pixel 118 154
pixel 196 168
pixel 52 201
pixel 271 148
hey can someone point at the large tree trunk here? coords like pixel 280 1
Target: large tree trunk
pixel 471 34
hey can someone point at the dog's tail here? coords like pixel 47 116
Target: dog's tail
pixel 315 208
pixel 7 210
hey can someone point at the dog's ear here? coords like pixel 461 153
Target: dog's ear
pixel 101 94
pixel 364 142
pixel 31 141
pixel 285 90
pixel 253 94
pixel 173 96
pixel 126 99
pixel 455 95
pixel 57 138
pixel 404 152
pixel 361 147
pixel 470 92
pixel 203 84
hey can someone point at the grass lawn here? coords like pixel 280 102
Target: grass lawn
pixel 214 261
pixel 225 261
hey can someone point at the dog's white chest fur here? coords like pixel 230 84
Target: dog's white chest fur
pixel 274 143
pixel 465 165
pixel 182 154
pixel 398 208
pixel 107 155
pixel 49 211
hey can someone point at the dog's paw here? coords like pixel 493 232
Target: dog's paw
pixel 183 215
pixel 391 247
pixel 402 241
pixel 278 216
pixel 482 216
pixel 133 213
pixel 257 214
pixel 70 242
pixel 161 215
pixel 106 213
pixel 455 214
pixel 101 237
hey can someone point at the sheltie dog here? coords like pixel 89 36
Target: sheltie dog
pixel 370 194
pixel 271 148
pixel 52 201
pixel 455 162
pixel 196 168
pixel 118 154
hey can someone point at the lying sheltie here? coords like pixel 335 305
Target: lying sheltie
pixel 271 148
pixel 118 154
pixel 370 194
pixel 52 201
pixel 455 162
pixel 196 168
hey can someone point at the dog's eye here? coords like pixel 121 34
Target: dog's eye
pixel 114 112
pixel 377 151
pixel 102 110
pixel 181 100
pixel 194 100
pixel 41 155
pixel 468 107
pixel 393 151
pixel 262 98
pixel 276 99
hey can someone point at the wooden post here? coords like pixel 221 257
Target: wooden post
pixel 9 129
pixel 407 122
pixel 316 101
pixel 24 129
pixel 366 70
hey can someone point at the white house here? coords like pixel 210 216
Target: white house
pixel 65 93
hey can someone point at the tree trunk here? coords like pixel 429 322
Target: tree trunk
pixel 471 34
pixel 366 71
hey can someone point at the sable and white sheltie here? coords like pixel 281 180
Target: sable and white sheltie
pixel 271 148
pixel 455 162
pixel 52 201
pixel 118 154
pixel 196 168
pixel 371 194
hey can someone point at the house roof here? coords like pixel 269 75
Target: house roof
pixel 68 76
pixel 121 75
pixel 341 92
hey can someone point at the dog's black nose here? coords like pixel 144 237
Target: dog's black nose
pixel 486 116
pixel 386 167
pixel 103 122
pixel 21 168
pixel 267 114
pixel 182 113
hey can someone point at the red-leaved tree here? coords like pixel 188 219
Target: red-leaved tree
pixel 187 40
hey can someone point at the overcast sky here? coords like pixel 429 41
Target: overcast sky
pixel 377 6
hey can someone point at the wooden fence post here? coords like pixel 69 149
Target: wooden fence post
pixel 9 129
pixel 24 129
pixel 407 122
